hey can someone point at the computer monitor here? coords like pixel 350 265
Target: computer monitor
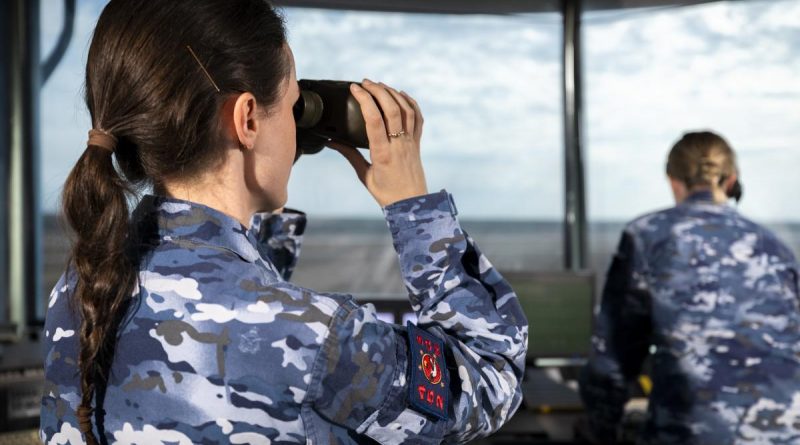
pixel 559 308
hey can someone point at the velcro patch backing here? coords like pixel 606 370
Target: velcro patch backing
pixel 430 381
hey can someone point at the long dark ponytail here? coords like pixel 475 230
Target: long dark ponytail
pixel 147 90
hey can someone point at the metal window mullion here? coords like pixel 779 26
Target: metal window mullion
pixel 575 244
pixel 24 224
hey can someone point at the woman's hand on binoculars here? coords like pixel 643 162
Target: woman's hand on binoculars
pixel 395 172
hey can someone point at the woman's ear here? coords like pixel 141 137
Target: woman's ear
pixel 727 185
pixel 245 119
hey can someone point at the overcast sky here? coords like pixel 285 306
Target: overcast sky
pixel 490 91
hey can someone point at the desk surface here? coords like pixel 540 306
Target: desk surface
pixel 557 427
pixel 531 427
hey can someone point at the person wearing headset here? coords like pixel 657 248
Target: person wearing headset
pixel 715 296
pixel 177 323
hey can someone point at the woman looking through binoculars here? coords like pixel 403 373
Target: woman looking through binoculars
pixel 176 323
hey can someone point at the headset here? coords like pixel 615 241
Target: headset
pixel 735 191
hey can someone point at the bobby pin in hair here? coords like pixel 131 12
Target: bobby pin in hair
pixel 210 79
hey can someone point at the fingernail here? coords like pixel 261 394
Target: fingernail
pixel 355 86
pixel 367 80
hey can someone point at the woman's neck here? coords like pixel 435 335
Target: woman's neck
pixel 212 192
pixel 717 195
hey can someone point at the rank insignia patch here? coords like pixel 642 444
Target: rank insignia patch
pixel 429 379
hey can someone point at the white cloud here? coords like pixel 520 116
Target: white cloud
pixel 490 90
pixel 491 104
pixel 684 69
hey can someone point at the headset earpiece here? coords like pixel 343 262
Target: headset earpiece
pixel 735 191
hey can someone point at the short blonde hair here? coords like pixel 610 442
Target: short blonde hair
pixel 701 159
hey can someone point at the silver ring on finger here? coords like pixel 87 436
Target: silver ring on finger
pixel 398 134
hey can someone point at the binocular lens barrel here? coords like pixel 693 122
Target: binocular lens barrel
pixel 308 109
pixel 326 111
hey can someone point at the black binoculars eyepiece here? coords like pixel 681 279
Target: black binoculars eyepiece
pixel 327 111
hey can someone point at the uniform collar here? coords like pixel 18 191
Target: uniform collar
pixel 705 199
pixel 704 196
pixel 177 219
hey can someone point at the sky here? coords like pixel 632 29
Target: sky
pixel 490 90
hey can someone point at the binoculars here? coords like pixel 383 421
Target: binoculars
pixel 327 111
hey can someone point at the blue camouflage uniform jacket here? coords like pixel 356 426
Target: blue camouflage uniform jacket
pixel 217 347
pixel 717 297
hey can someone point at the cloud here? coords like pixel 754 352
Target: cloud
pixel 64 120
pixel 683 69
pixel 490 88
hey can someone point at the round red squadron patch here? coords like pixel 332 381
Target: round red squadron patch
pixel 431 369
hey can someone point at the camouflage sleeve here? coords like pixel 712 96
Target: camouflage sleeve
pixel 59 386
pixel 280 236
pixel 783 253
pixel 620 342
pixel 370 372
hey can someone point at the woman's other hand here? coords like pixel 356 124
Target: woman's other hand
pixel 395 171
